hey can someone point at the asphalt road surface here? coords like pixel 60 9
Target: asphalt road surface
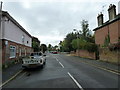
pixel 63 71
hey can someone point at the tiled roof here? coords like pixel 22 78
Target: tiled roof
pixel 108 22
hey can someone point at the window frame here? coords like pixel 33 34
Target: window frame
pixel 13 47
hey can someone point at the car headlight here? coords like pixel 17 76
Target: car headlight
pixel 31 57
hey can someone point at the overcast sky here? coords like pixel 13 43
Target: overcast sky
pixel 50 20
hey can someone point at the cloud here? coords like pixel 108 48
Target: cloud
pixel 51 21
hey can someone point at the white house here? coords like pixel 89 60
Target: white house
pixel 16 41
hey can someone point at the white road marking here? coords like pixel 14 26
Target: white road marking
pixel 56 59
pixel 75 81
pixel 61 64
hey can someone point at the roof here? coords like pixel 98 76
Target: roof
pixel 108 22
pixel 4 13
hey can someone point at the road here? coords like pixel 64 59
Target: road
pixel 63 71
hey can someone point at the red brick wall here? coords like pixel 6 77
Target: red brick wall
pixel 85 54
pixel 100 35
pixel 109 56
pixel 114 33
pixel 119 28
pixel 6 50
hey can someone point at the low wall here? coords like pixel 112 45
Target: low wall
pixel 86 54
pixel 109 56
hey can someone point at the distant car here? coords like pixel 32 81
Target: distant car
pixel 55 52
pixel 36 59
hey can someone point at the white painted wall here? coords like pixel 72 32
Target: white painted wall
pixel 14 33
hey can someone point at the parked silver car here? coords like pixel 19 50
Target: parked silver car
pixel 35 59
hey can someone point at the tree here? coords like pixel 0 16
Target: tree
pixel 74 44
pixel 49 47
pixel 35 44
pixel 56 47
pixel 81 42
pixel 43 48
pixel 78 39
pixel 85 29
pixel 67 41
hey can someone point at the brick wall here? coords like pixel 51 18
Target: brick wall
pixel 85 54
pixel 100 35
pixel 119 29
pixel 6 51
pixel 109 56
pixel 114 33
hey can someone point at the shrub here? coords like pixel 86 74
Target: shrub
pixel 91 47
pixel 114 47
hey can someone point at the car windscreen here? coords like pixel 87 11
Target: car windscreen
pixel 36 54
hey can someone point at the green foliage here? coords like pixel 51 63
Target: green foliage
pixel 83 44
pixel 78 43
pixel 107 41
pixel 35 46
pixel 91 47
pixel 66 44
pixel 79 39
pixel 49 47
pixel 74 44
pixel 85 28
pixel 43 48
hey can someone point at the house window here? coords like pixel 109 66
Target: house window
pixel 12 51
pixel 23 38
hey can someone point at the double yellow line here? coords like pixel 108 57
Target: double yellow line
pixel 11 78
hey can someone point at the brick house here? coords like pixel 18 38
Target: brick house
pixel 16 41
pixel 111 27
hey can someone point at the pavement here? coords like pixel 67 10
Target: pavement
pixel 7 73
pixel 100 63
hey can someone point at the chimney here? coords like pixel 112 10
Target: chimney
pixel 100 19
pixel 112 11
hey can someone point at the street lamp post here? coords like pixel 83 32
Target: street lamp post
pixel 1 19
pixel 0 43
pixel 77 39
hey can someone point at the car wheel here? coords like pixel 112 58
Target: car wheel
pixel 24 68
pixel 44 63
pixel 42 66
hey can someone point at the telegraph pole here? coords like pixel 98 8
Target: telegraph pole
pixel 1 19
pixel 0 43
pixel 77 40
